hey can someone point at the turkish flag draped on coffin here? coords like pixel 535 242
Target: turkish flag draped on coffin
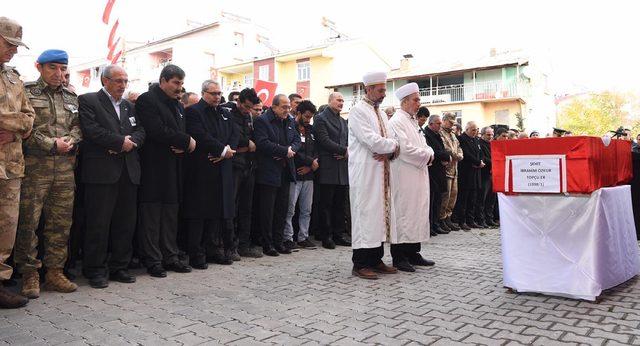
pixel 590 164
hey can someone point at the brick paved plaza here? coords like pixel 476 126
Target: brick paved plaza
pixel 311 297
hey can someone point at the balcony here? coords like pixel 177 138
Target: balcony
pixel 481 91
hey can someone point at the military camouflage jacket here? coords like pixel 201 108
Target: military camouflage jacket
pixel 56 116
pixel 452 144
pixel 16 115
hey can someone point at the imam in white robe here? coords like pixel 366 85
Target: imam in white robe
pixel 410 177
pixel 366 176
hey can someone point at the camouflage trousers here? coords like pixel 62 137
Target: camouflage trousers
pixel 449 198
pixel 48 190
pixel 9 203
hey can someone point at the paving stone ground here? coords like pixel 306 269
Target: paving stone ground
pixel 310 297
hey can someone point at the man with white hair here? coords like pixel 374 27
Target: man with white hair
pixel 112 137
pixel 410 182
pixel 468 176
pixel 486 197
pixel 370 151
pixel 389 111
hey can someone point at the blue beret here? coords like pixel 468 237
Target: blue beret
pixel 53 55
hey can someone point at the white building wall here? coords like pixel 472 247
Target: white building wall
pixel 344 70
pixel 541 108
pixel 197 54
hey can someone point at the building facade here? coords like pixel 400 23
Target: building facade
pixel 497 89
pixel 306 71
pixel 198 52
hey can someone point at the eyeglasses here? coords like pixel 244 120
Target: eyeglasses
pixel 118 81
pixel 214 93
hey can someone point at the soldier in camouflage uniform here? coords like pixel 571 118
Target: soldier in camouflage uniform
pixel 48 186
pixel 16 119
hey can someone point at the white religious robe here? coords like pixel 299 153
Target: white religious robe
pixel 369 218
pixel 410 177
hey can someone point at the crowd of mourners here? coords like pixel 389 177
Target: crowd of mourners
pixel 171 180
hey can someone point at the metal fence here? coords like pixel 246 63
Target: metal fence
pixel 455 93
pixel 470 92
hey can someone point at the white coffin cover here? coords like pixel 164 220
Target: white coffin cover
pixel 573 246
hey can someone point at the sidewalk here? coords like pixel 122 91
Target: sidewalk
pixel 310 297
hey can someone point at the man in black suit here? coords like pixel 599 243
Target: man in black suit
pixel 160 195
pixel 331 134
pixel 422 117
pixel 468 175
pixel 208 205
pixel 111 174
pixel 486 197
pixel 277 142
pixel 437 171
pixel 244 166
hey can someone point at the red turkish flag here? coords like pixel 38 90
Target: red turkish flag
pixel 266 91
pixel 112 34
pixel 107 11
pixel 116 57
pixel 112 50
pixel 86 78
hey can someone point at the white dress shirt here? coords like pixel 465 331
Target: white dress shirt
pixel 114 102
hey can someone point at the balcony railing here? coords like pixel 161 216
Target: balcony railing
pixel 481 91
pixel 469 92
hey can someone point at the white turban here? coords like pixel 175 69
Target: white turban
pixel 407 90
pixel 373 78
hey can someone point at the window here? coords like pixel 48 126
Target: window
pixel 248 81
pixel 263 72
pixel 304 71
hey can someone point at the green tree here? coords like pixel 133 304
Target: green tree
pixel 597 114
pixel 519 121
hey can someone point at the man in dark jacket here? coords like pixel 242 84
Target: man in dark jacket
pixel 468 175
pixel 277 142
pixel 111 174
pixel 256 233
pixel 244 167
pixel 486 198
pixel 422 116
pixel 301 193
pixel 160 195
pixel 331 134
pixel 208 204
pixel 437 171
